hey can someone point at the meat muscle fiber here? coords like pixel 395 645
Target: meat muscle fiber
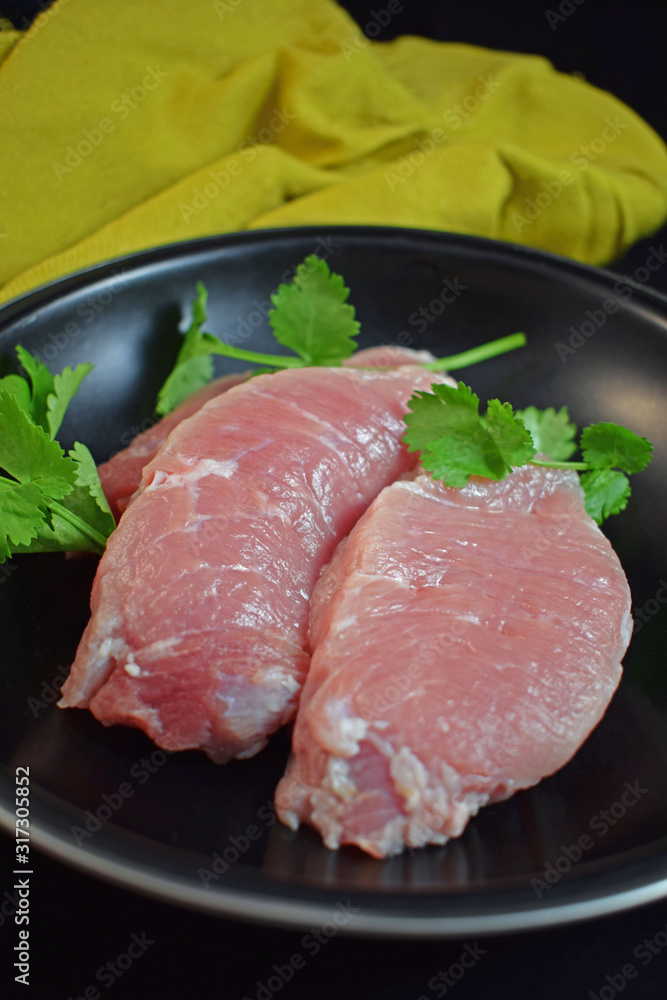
pixel 465 642
pixel 121 474
pixel 200 605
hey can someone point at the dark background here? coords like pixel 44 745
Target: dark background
pixel 78 924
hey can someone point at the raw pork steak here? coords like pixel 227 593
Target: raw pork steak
pixel 200 606
pixel 465 642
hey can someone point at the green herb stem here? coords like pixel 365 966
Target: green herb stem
pixel 575 466
pixel 477 354
pixel 274 360
pixel 81 525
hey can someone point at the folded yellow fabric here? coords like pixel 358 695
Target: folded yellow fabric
pixel 129 125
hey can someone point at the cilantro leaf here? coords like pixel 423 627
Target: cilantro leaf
pixel 65 386
pixel 551 431
pixel 88 497
pixel 606 492
pixel 19 389
pixel 22 512
pixel 611 446
pixel 194 366
pixel 41 381
pixel 65 530
pixel 514 443
pixel 81 522
pixel 456 443
pixel 53 502
pixel 29 455
pixel 312 317
pixel 186 378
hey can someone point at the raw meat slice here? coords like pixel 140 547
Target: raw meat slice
pixel 200 605
pixel 465 642
pixel 121 475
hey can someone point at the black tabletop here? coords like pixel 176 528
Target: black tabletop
pixel 89 938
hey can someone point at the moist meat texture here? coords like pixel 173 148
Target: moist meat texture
pixel 465 642
pixel 200 605
pixel 121 475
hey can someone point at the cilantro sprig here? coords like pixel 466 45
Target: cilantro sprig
pixel 312 317
pixel 457 442
pixel 49 501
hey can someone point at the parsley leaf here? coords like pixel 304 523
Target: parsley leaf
pixel 88 495
pixel 65 386
pixel 23 509
pixel 19 389
pixel 606 492
pixel 551 431
pixel 194 365
pixel 82 521
pixel 456 442
pixel 311 315
pixel 514 443
pixel 48 501
pixel 609 445
pixel 41 381
pixel 51 394
pixel 29 455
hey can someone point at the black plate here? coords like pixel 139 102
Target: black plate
pixel 180 828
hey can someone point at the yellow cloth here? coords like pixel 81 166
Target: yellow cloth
pixel 125 125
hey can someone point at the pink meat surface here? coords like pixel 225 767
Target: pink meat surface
pixel 200 605
pixel 465 642
pixel 121 475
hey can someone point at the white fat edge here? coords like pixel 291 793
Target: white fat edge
pixel 463 810
pixel 202 468
pixel 389 840
pixel 112 646
pixel 410 778
pixel 324 808
pixel 249 751
pixel 450 779
pixel 418 833
pixel 338 778
pixel 290 819
pixel 253 705
pixel 161 646
pixel 438 802
pixel 131 666
pixel 344 729
pixel 280 685
pixel 627 625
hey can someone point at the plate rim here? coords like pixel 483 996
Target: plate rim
pixel 74 279
pixel 264 907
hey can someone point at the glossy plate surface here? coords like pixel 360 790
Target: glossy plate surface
pixel 181 828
